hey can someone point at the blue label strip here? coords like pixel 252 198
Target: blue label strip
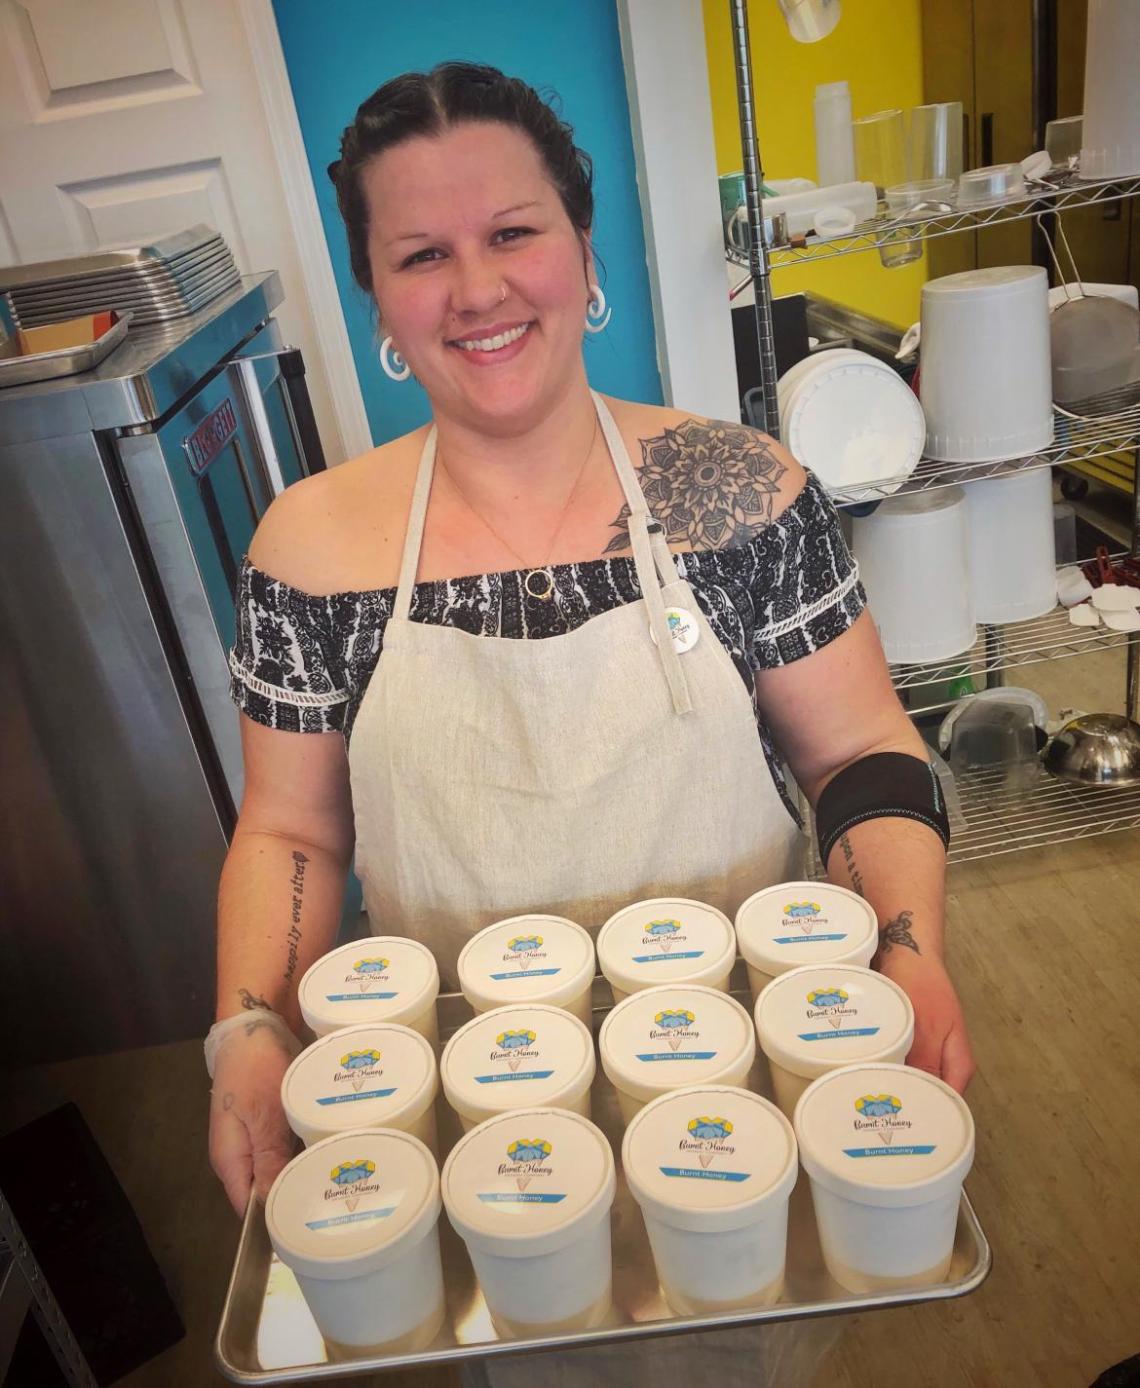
pixel 517 1075
pixel 358 997
pixel 678 1055
pixel 673 954
pixel 704 1174
pixel 913 1150
pixel 527 973
pixel 352 1098
pixel 357 1217
pixel 519 1197
pixel 805 939
pixel 843 1031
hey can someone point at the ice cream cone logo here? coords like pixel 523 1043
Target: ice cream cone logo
pixel 804 914
pixel 368 969
pixel 662 932
pixel 709 1130
pixel 674 1019
pixel 347 1173
pixel 359 1061
pixel 526 1150
pixel 521 945
pixel 879 1106
pixel 515 1041
pixel 829 997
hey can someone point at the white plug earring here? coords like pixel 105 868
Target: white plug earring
pixel 597 314
pixel 393 363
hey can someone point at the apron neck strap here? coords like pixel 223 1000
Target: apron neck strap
pixel 413 538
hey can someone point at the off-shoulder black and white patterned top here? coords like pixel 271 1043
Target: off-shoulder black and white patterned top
pixel 302 663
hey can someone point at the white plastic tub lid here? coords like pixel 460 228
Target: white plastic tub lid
pixel 526 959
pixel 382 978
pixel 352 1203
pixel 805 923
pixel 527 1183
pixel 708 1157
pixel 361 1077
pixel 885 1135
pixel 517 1057
pixel 991 282
pixel 664 941
pixel 665 1038
pixel 815 1018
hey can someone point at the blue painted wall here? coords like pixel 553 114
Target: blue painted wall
pixel 338 53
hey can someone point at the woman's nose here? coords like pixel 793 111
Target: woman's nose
pixel 477 287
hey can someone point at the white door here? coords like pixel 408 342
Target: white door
pixel 123 120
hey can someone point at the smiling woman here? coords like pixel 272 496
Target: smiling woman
pixel 539 656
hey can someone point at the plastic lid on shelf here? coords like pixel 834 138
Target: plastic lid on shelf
pixel 884 1135
pixel 524 1183
pixel 665 1038
pixel 706 1157
pixel 515 1057
pixel 382 978
pixel 352 1203
pixel 805 923
pixel 526 959
pixel 665 940
pixel 373 1076
pixel 820 1016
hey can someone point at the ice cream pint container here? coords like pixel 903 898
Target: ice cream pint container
pixel 816 1018
pixel 798 923
pixel 378 1076
pixel 663 1039
pixel 667 940
pixel 529 959
pixel 530 1194
pixel 712 1168
pixel 355 1218
pixel 382 978
pixel 887 1148
pixel 518 1057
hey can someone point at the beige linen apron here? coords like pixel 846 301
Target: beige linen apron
pixel 569 775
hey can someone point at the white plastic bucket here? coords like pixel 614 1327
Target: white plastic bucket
pixel 1110 137
pixel 529 959
pixel 382 978
pixel 1011 544
pixel 796 923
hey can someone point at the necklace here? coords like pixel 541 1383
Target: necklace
pixel 539 581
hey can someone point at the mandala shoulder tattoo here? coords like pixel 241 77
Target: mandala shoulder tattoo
pixel 709 483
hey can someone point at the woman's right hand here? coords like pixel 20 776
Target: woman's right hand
pixel 250 1141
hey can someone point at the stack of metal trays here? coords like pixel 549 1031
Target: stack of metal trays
pixel 168 279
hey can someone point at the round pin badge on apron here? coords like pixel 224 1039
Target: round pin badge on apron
pixel 683 629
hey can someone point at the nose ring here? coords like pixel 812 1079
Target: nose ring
pixel 502 293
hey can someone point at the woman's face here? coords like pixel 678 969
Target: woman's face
pixel 457 221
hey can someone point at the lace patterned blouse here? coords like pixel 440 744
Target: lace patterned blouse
pixel 302 663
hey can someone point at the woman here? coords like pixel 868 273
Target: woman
pixel 538 656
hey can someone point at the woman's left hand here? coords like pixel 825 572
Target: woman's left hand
pixel 941 1042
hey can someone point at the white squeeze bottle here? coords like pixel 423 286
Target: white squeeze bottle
pixel 834 142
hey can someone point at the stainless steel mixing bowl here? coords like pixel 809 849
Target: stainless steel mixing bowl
pixel 1097 749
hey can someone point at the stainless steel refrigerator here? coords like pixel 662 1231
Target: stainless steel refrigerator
pixel 128 496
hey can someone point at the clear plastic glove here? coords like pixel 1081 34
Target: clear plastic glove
pixel 250 1141
pixel 941 1041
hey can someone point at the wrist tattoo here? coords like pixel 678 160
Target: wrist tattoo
pixel 252 1003
pixel 898 932
pixel 293 939
pixel 854 875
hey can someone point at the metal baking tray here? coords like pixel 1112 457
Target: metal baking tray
pixel 162 277
pixel 129 295
pixel 146 311
pixel 64 361
pixel 136 259
pixel 267 1335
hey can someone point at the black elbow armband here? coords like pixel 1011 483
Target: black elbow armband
pixel 884 785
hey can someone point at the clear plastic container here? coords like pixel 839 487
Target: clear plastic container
pixel 997 737
pixel 993 184
pixel 934 144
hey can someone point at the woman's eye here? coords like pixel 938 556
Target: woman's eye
pixel 420 257
pixel 513 233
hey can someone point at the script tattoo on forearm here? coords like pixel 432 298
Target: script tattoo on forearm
pixel 293 939
pixel 898 931
pixel 854 875
pixel 709 483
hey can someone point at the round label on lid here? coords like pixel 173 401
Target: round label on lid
pixel 812 1019
pixel 663 1038
pixel 526 958
pixel 360 1077
pixel 805 923
pixel 882 1126
pixel 379 978
pixel 517 1057
pixel 708 1148
pixel 350 1197
pixel 664 941
pixel 527 1174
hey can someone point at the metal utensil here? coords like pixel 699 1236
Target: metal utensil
pixel 1096 749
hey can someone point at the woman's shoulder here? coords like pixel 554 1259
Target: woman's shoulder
pixel 332 532
pixel 712 483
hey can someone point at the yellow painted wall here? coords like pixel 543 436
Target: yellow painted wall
pixel 877 49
